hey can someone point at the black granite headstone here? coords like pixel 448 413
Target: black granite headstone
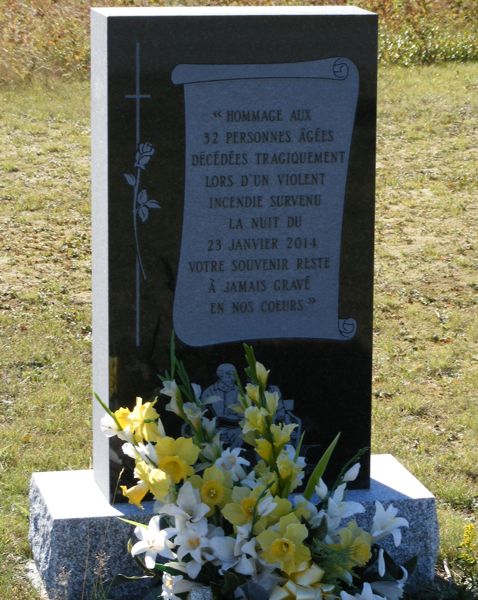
pixel 233 200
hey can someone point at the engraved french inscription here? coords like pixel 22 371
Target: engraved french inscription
pixel 266 159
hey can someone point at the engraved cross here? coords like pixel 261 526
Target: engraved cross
pixel 138 96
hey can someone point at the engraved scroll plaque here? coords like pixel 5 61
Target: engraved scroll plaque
pixel 266 161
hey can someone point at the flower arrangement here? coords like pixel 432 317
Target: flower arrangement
pixel 232 519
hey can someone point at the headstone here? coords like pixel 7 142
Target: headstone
pixel 233 196
pixel 233 201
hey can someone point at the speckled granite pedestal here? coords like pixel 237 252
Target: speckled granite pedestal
pixel 78 540
pixel 390 482
pixel 75 534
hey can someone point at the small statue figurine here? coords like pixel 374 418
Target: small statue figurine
pixel 225 389
pixel 226 392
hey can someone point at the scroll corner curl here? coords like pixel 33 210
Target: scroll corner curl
pixel 341 68
pixel 347 328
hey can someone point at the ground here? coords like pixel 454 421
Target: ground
pixel 426 282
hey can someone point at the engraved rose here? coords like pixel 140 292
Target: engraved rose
pixel 142 204
pixel 143 155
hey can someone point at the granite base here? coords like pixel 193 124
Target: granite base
pixel 78 541
pixel 392 483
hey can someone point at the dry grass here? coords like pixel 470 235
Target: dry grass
pixel 426 326
pixel 44 302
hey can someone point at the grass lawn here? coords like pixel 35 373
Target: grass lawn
pixel 426 326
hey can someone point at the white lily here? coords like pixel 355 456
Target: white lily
pixel 192 540
pixel 391 590
pixel 381 562
pixel 110 428
pixel 153 541
pixel 266 505
pixel 306 508
pixel 170 388
pixel 222 548
pixel 250 480
pixel 299 473
pixel 212 451
pixel 385 522
pixel 245 550
pixel 231 461
pixel 197 390
pixel 366 594
pixel 108 425
pixel 146 452
pixel 338 509
pixel 352 473
pixel 188 507
pixel 209 425
pixel 194 413
pixel 321 489
pixel 174 585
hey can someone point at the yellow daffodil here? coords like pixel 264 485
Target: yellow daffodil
pixel 255 420
pixel 214 487
pixel 252 393
pixel 272 401
pixel 282 507
pixel 245 503
pixel 357 544
pixel 262 374
pixel 266 476
pixel 265 450
pixel 122 416
pixel 286 466
pixel 304 509
pixel 151 480
pixel 281 434
pixel 145 422
pixel 241 509
pixel 176 457
pixel 137 492
pixel 290 469
pixel 282 545
pixel 304 584
pixel 159 484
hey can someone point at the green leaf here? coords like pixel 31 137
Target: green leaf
pixel 299 446
pixel 107 410
pixel 251 361
pixel 158 567
pixel 185 383
pixel 320 468
pixel 117 579
pixel 132 522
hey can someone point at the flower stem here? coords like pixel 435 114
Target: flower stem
pixel 135 222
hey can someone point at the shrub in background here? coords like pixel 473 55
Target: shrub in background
pixel 51 37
